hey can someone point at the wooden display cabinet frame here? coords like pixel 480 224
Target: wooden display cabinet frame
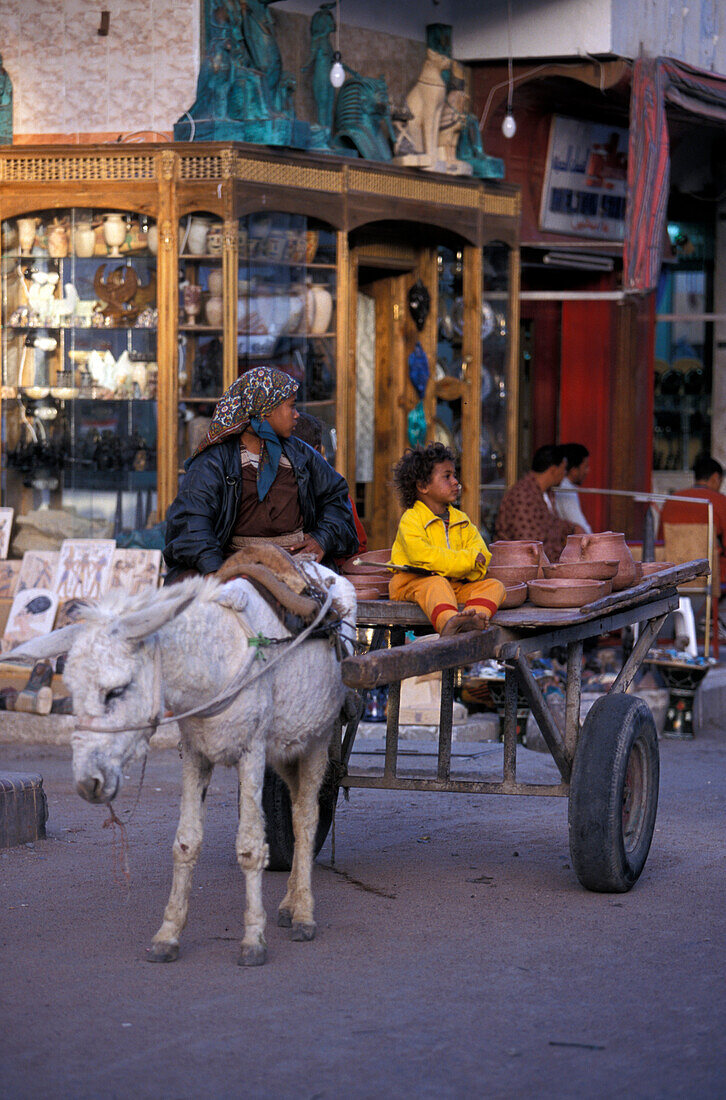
pixel 166 182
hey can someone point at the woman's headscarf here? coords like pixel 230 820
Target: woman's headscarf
pixel 250 398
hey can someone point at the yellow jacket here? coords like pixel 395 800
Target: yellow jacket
pixel 421 541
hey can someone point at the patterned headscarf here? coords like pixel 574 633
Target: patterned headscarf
pixel 247 401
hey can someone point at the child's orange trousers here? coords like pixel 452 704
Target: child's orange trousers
pixel 439 596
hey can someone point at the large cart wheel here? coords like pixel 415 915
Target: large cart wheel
pixel 278 817
pixel 614 794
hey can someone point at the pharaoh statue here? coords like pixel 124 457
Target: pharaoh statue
pixel 243 94
pixel 363 118
pixel 322 26
pixel 6 106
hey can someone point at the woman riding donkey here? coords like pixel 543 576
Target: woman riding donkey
pixel 251 481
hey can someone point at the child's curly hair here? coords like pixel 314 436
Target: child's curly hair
pixel 416 467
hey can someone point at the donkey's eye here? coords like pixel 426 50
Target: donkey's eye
pixel 114 693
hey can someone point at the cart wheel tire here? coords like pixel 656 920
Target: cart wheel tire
pixel 278 817
pixel 614 794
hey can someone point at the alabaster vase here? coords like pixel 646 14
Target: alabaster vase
pixel 114 232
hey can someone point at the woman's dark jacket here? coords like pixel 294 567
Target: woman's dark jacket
pixel 200 521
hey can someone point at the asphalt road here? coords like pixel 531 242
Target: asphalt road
pixel 456 954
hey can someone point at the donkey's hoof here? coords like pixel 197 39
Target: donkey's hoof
pixel 252 955
pixel 163 953
pixel 284 918
pixel 302 932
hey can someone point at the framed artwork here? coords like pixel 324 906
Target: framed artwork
pixel 6 526
pixel 38 569
pixel 133 570
pixel 84 568
pixel 9 573
pixel 585 182
pixel 32 614
pixel 69 611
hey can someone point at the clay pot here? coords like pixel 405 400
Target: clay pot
pixel 565 592
pixel 513 574
pixel 582 570
pixel 58 243
pixel 515 596
pixel 609 546
pixel 152 238
pixel 27 228
pixel 213 311
pixel 215 282
pixel 515 552
pixel 518 552
pixel 648 568
pixel 84 239
pixel 197 236
pixel 318 309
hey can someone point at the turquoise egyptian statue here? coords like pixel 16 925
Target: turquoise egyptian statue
pixel 242 92
pixel 6 107
pixel 322 26
pixel 363 117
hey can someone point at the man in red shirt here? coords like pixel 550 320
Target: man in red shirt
pixel 708 475
pixel 527 510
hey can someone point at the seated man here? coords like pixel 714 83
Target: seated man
pixel 527 510
pixel 567 502
pixel 708 475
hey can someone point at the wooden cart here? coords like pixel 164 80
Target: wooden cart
pixel 608 765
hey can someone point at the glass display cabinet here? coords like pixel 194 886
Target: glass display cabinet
pixel 137 282
pixel 79 367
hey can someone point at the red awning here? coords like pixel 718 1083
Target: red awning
pixel 655 82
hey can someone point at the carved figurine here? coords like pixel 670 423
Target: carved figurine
pixel 6 106
pixel 418 140
pixel 322 26
pixel 363 117
pixel 242 92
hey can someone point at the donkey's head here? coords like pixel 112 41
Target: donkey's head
pixel 113 671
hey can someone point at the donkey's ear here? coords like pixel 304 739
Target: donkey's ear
pixel 46 645
pixel 170 603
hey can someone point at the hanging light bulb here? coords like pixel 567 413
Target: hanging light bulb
pixel 509 126
pixel 337 72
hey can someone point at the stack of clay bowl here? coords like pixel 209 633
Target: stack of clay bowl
pixel 368 574
pixel 603 548
pixel 514 564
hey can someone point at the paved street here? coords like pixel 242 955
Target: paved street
pixel 457 955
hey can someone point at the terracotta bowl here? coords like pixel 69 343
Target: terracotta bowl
pixel 650 567
pixel 515 596
pixel 566 592
pixel 581 570
pixel 381 585
pixel 512 574
pixel 368 594
pixel 372 562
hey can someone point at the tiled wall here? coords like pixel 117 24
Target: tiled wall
pixel 67 80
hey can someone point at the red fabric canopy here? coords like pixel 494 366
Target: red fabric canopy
pixel 657 81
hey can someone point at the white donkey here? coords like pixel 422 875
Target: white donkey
pixel 134 658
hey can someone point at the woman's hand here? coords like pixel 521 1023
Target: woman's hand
pixel 311 547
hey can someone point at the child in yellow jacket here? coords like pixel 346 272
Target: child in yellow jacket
pixel 441 557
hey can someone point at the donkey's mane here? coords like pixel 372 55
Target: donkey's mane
pixel 116 602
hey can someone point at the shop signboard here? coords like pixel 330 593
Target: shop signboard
pixel 585 182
